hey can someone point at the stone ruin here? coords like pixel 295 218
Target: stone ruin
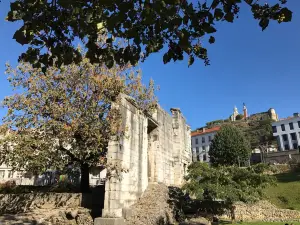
pixel 155 149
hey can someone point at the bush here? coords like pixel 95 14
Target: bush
pixel 7 186
pixel 178 200
pixel 239 117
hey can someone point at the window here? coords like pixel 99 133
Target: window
pixel 299 124
pixel 203 139
pixel 286 147
pixel 2 173
pixel 293 136
pixel 295 145
pixel 274 128
pixel 291 126
pixel 209 138
pixel 282 127
pixel 204 157
pixel 198 157
pixel 10 174
pixel 197 150
pixel 284 137
pixel 196 141
pixel 19 174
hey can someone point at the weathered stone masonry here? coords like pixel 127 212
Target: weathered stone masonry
pixel 155 148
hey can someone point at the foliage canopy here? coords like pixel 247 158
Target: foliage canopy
pixel 229 147
pixel 227 183
pixel 51 27
pixel 66 117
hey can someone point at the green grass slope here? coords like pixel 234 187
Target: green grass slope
pixel 287 192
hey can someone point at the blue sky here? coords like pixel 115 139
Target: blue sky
pixel 259 68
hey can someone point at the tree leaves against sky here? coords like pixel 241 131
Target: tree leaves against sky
pixel 52 27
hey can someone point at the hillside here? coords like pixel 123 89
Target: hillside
pixel 286 194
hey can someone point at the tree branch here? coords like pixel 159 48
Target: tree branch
pixel 70 154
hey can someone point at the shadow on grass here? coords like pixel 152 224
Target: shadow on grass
pixel 288 177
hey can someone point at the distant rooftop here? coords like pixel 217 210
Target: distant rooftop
pixel 204 131
pixel 295 115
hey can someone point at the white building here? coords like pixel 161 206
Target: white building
pixel 287 132
pixel 201 140
pixel 97 177
pixel 20 177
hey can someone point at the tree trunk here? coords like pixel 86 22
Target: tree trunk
pixel 85 181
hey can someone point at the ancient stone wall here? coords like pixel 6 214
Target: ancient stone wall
pixel 156 149
pixel 129 153
pixel 282 157
pixel 264 211
pixel 44 208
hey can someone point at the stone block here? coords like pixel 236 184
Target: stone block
pixel 109 221
pixel 127 212
pixel 115 204
pixel 112 213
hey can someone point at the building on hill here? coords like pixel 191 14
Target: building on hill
pixel 270 114
pixel 235 114
pixel 287 132
pixel 201 140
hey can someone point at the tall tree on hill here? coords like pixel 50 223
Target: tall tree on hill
pixel 229 147
pixel 65 117
pixel 50 28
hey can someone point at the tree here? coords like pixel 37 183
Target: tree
pixel 229 147
pixel 239 117
pixel 50 28
pixel 66 116
pixel 260 135
pixel 227 183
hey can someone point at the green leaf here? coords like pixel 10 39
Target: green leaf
pixel 109 62
pixel 215 3
pixel 218 14
pixel 208 28
pixel 166 58
pixel 191 60
pixel 249 1
pixel 13 16
pixel 211 40
pixel 229 17
pixel 264 22
pixel 287 14
pixel 20 37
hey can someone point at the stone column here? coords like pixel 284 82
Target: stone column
pixel 281 142
pixel 298 138
pixel 290 141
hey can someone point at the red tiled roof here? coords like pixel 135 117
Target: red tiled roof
pixel 200 132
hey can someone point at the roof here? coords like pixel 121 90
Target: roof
pixel 200 132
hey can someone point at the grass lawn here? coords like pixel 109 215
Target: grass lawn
pixel 287 193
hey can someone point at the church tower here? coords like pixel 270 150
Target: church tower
pixel 235 113
pixel 245 111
